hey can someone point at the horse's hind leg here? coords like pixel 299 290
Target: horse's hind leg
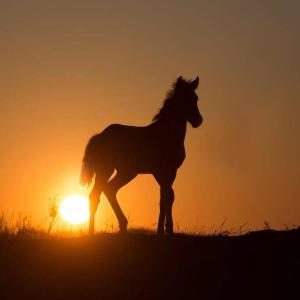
pixel 94 201
pixel 110 191
pixel 100 180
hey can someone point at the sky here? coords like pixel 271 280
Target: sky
pixel 71 68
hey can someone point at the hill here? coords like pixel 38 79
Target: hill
pixel 258 265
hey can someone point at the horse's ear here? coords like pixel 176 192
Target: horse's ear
pixel 179 81
pixel 195 83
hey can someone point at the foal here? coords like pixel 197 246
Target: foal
pixel 156 149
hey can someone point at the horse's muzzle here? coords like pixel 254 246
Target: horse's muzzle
pixel 196 123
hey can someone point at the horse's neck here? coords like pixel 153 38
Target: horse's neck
pixel 171 130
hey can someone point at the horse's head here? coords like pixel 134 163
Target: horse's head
pixel 188 100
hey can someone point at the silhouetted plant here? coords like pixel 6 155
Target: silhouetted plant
pixel 4 228
pixel 267 225
pixel 23 224
pixel 53 213
pixel 239 230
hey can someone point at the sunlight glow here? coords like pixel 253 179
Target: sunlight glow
pixel 74 209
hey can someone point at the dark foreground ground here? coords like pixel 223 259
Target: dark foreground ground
pixel 259 265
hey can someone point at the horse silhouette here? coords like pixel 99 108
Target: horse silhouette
pixel 156 149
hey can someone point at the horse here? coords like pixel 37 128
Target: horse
pixel 156 149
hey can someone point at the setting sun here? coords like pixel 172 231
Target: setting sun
pixel 74 209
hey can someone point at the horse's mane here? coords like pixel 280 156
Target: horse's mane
pixel 167 108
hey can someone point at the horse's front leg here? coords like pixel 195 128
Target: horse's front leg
pixel 162 214
pixel 169 205
pixel 165 179
pixel 165 214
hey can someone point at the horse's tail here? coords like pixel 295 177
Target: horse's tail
pixel 89 161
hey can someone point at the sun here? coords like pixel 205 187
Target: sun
pixel 74 209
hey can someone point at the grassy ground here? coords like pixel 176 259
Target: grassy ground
pixel 258 265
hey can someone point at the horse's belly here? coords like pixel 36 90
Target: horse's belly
pixel 149 162
pixel 137 151
pixel 138 161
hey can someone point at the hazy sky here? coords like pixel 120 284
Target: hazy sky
pixel 70 68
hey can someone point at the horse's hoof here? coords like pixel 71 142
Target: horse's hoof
pixel 123 228
pixel 169 231
pixel 160 233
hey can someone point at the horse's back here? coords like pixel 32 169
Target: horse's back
pixel 140 149
pixel 126 146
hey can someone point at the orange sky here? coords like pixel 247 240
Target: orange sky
pixel 70 68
